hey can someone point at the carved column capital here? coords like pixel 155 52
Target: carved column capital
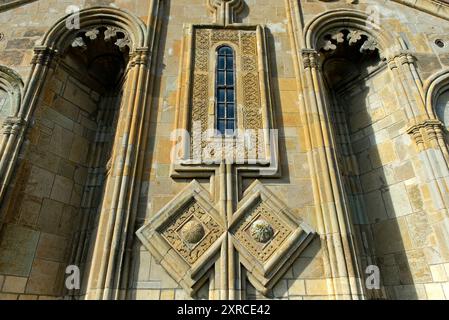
pixel 309 58
pixel 402 57
pixel 44 56
pixel 13 125
pixel 426 132
pixel 140 57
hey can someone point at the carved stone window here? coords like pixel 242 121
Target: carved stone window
pixel 240 101
pixel 225 91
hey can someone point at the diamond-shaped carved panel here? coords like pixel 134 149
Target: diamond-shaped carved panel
pixel 185 236
pixel 192 232
pixel 260 232
pixel 267 236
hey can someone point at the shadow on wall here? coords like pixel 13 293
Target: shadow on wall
pixel 362 102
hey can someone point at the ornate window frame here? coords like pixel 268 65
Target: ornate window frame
pixel 254 107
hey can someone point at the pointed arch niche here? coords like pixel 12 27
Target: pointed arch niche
pixel 65 166
pixel 357 114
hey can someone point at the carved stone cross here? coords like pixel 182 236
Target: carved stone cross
pixel 192 236
pixel 225 236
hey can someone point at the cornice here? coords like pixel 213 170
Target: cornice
pixel 439 8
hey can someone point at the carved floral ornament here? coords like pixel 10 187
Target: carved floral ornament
pixel 332 39
pixel 120 37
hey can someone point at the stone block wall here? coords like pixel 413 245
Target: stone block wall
pixel 42 212
pixel 43 215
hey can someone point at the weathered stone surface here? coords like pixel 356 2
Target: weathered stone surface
pixel 359 154
pixel 18 245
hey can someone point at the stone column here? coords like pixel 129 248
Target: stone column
pixel 105 270
pixel 334 223
pixel 15 127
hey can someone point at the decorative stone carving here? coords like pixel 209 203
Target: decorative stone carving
pixel 225 10
pixel 309 58
pixel 246 41
pixel 192 232
pixel 354 36
pixel 13 125
pixel 44 56
pixel 400 56
pixel 261 231
pixel 427 132
pixel 121 37
pixel 186 235
pixel 267 236
pixel 78 42
pixel 331 39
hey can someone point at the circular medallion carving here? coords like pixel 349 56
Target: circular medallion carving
pixel 261 231
pixel 192 232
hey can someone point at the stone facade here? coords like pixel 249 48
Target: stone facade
pixel 108 166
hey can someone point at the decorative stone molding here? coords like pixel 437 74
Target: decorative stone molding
pixel 140 57
pixel 309 58
pixel 11 83
pixel 44 56
pixel 400 56
pixel 13 125
pixel 330 40
pixel 352 20
pixel 118 22
pixel 186 236
pixel 197 99
pixel 225 10
pixel 433 88
pixel 426 133
pixel 120 36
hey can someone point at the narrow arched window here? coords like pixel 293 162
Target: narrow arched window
pixel 225 91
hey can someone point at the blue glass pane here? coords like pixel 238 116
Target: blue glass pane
pixel 221 62
pixel 223 50
pixel 221 126
pixel 230 78
pixel 230 111
pixel 221 111
pixel 221 77
pixel 230 95
pixel 221 95
pixel 227 50
pixel 229 63
pixel 230 126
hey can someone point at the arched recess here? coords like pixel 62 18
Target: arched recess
pixel 436 90
pixel 357 20
pixel 82 118
pixel 11 89
pixel 12 86
pixel 355 118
